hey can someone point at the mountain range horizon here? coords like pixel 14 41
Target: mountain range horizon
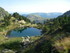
pixel 35 12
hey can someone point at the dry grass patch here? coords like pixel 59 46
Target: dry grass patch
pixel 63 44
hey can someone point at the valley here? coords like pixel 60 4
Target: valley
pixel 28 34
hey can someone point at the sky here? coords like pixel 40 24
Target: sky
pixel 31 6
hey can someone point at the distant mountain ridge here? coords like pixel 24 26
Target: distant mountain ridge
pixel 46 15
pixel 36 18
pixel 41 17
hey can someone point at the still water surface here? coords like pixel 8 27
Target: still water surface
pixel 21 32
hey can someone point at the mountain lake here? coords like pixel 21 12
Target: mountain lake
pixel 23 32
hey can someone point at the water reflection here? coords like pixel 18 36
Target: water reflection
pixel 20 32
pixel 20 29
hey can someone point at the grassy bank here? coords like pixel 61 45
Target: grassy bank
pixel 4 30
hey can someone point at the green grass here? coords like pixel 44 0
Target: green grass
pixel 14 43
pixel 10 43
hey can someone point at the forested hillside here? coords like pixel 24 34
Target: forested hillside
pixel 56 36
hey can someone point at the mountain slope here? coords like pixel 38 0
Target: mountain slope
pixel 36 18
pixel 66 14
pixel 3 13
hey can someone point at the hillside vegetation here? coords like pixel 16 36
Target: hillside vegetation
pixel 3 13
pixel 55 34
pixel 7 23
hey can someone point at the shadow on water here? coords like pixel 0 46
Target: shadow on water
pixel 20 29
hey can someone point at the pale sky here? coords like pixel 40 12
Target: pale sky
pixel 31 6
